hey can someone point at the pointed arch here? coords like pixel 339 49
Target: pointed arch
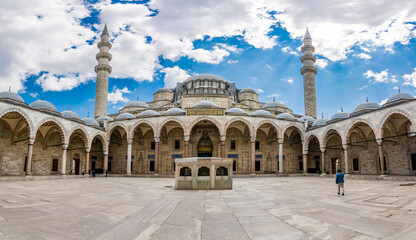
pixel 308 140
pixel 239 119
pixel 296 126
pixel 167 120
pixel 24 115
pixel 84 134
pixel 58 123
pixel 389 114
pixel 273 124
pixel 326 135
pixel 206 118
pixel 114 127
pixel 136 124
pixel 102 138
pixel 352 124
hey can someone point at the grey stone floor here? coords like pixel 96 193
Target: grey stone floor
pixel 257 208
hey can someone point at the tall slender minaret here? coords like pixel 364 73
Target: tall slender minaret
pixel 309 71
pixel 103 70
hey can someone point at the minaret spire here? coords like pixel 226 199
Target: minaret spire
pixel 308 72
pixel 103 70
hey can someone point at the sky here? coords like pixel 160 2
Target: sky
pixel 363 48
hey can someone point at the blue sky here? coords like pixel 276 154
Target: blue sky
pixel 364 49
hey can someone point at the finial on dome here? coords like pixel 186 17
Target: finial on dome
pixel 399 90
pixel 206 72
pixel 342 109
pixel 10 88
pixel 88 115
pixel 68 107
pixel 137 98
pixel 43 97
pixel 274 99
pixel 307 34
pixel 105 30
pixel 366 99
pixel 322 115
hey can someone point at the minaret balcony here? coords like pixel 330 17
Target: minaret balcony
pixel 103 55
pixel 103 67
pixel 307 47
pixel 308 69
pixel 308 57
pixel 104 44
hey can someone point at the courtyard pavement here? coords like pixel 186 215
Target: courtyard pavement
pixel 257 208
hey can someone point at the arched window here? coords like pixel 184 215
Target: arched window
pixel 185 171
pixel 222 171
pixel 203 171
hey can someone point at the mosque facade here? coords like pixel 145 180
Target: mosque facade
pixel 207 116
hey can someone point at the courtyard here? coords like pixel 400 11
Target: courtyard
pixel 256 208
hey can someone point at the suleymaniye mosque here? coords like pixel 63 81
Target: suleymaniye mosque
pixel 207 116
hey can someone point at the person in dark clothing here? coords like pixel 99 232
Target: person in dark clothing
pixel 339 180
pixel 106 172
pixel 93 173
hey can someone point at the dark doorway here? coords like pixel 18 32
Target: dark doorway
pixel 334 165
pixel 76 166
pixel 151 166
pixel 93 165
pixel 257 167
pixel 205 146
pixel 413 158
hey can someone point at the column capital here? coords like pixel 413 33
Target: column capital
pixel 253 139
pixel 157 139
pixel 280 140
pixel 88 149
pixel 305 153
pixel 129 141
pixel 323 150
pixel 345 146
pixel 65 146
pixel 186 138
pixel 105 153
pixel 379 142
pixel 222 138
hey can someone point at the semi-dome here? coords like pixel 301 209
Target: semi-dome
pixel 286 116
pixel 247 90
pixel 205 103
pixel 43 105
pixel 262 113
pixel 104 118
pixel 90 122
pixel 70 115
pixel 306 119
pixel 124 116
pixel 367 106
pixel 320 122
pixel 11 96
pixel 149 113
pixel 174 111
pixel 340 115
pixel 206 76
pixel 139 104
pixel 400 97
pixel 164 90
pixel 235 111
pixel 274 105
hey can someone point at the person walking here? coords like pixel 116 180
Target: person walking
pixel 93 173
pixel 339 180
pixel 106 172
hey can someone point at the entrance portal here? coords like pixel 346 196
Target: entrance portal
pixel 205 146
pixel 76 166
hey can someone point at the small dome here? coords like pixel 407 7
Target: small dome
pixel 11 96
pixel 320 122
pixel 139 104
pixel 367 106
pixel 149 113
pixel 247 90
pixel 306 119
pixel 286 116
pixel 90 122
pixel 125 116
pixel 340 115
pixel 206 76
pixel 399 97
pixel 70 115
pixel 205 103
pixel 104 118
pixel 262 113
pixel 174 111
pixel 164 90
pixel 43 105
pixel 236 111
pixel 274 105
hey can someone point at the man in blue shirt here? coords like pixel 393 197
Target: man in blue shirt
pixel 339 179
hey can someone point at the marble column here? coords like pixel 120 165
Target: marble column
pixel 253 155
pixel 156 155
pixel 381 156
pixel 323 160
pixel 186 152
pixel 346 161
pixel 305 162
pixel 280 140
pixel 129 145
pixel 64 153
pixel 105 160
pixel 87 160
pixel 222 139
pixel 29 156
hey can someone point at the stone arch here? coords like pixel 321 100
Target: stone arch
pixel 84 132
pixel 167 120
pixel 114 127
pixel 102 138
pixel 58 123
pixel 130 134
pixel 239 119
pixel 29 122
pixel 387 116
pixel 276 127
pixel 308 140
pixel 196 121
pixel 351 125
pixel 325 136
pixel 302 134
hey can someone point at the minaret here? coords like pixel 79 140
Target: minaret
pixel 103 70
pixel 309 71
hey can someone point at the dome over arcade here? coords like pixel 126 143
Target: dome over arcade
pixel 286 116
pixel 104 118
pixel 247 90
pixel 274 105
pixel 149 113
pixel 90 122
pixel 367 106
pixel 340 115
pixel 206 76
pixel 306 119
pixel 124 116
pixel 70 115
pixel 174 111
pixel 320 122
pixel 14 97
pixel 261 113
pixel 164 90
pixel 399 97
pixel 43 106
pixel 235 111
pixel 205 103
pixel 138 104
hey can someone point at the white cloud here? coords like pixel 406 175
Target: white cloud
pixel 116 95
pixel 259 90
pixel 381 77
pixel 363 56
pixel 174 75
pixel 273 95
pixel 290 80
pixel 33 95
pixel 363 87
pixel 268 67
pixel 410 79
pixel 321 63
pixel 50 82
pixel 290 51
pixel 214 56
pixel 233 48
pixel 232 61
pixel 383 101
